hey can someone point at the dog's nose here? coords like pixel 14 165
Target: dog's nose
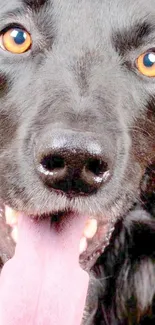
pixel 76 168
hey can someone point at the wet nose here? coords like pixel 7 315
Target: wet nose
pixel 71 166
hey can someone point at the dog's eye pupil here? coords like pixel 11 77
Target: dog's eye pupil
pixel 19 36
pixel 149 59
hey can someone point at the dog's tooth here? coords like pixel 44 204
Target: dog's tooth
pixel 97 254
pixel 83 245
pixel 11 216
pixel 14 234
pixel 90 228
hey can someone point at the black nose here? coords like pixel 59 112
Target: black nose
pixel 73 167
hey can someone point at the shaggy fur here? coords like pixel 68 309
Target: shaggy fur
pixel 80 75
pixel 122 289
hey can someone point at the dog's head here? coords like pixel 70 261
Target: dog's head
pixel 76 107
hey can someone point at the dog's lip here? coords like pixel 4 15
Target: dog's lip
pixel 7 243
pixel 97 246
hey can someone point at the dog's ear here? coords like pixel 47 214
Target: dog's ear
pixel 135 283
pixel 135 291
pixel 126 274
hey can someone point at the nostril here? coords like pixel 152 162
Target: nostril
pixel 51 162
pixel 96 166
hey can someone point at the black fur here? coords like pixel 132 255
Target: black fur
pixel 123 277
pixel 80 75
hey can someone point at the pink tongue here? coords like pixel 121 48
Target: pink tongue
pixel 43 283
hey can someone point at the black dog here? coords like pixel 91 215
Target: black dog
pixel 77 128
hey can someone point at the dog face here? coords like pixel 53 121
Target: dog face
pixel 79 76
pixel 79 93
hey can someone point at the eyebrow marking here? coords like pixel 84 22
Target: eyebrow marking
pixel 130 39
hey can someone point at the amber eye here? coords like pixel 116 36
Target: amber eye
pixel 146 64
pixel 16 40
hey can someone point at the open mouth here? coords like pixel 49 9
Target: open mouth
pixel 46 278
pixel 95 236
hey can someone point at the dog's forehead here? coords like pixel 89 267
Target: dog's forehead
pixel 104 11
